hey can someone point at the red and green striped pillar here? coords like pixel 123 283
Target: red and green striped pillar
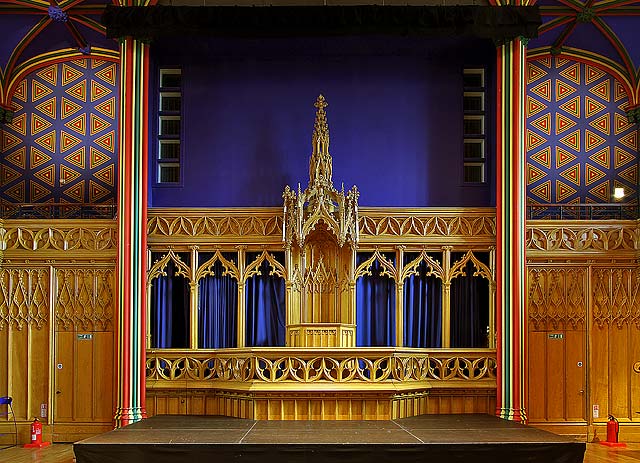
pixel 132 243
pixel 510 203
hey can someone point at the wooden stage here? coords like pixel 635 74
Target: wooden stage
pixel 447 438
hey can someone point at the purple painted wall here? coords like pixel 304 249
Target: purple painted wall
pixel 395 119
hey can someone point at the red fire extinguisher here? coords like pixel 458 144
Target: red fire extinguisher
pixel 36 432
pixel 613 428
pixel 36 435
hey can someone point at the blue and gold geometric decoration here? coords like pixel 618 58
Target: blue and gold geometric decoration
pixel 579 143
pixel 61 144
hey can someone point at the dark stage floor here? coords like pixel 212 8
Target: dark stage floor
pixel 448 438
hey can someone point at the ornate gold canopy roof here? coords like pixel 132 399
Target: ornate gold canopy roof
pixel 320 201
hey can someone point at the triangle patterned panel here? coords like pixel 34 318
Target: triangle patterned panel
pixel 542 157
pixel 630 140
pixel 68 141
pixel 20 92
pixel 592 74
pixel 602 191
pixel 39 90
pixel 8 175
pixel 572 107
pixel 563 191
pixel 49 74
pixel 47 175
pixel 630 174
pixel 68 175
pixel 78 91
pixel 106 175
pixel 77 158
pixel 572 174
pixel 69 108
pixel 534 106
pixel 17 192
pixel 107 108
pixel 563 123
pixel 48 108
pixel 533 73
pixel 592 140
pixel 98 124
pixel 18 158
pixel 70 74
pixel 19 124
pixel 106 141
pixel 572 140
pixel 37 158
pixel 37 192
pixel 592 107
pixel 38 124
pixel 97 192
pixel 543 90
pixel 593 174
pixel 543 191
pixel 621 157
pixel 602 90
pixel 78 124
pixel 620 123
pixel 602 157
pixel 602 124
pixel 97 158
pixel 98 91
pixel 8 141
pixel 76 192
pixel 572 73
pixel 543 123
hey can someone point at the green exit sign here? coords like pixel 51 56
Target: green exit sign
pixel 556 335
pixel 85 337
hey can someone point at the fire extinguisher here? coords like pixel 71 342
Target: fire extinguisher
pixel 36 436
pixel 36 432
pixel 613 427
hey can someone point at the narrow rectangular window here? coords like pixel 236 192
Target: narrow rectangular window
pixel 168 149
pixel 474 126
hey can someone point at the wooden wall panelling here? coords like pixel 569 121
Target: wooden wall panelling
pixel 611 340
pixel 24 323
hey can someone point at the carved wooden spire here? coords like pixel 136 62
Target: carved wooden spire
pixel 320 164
pixel 320 201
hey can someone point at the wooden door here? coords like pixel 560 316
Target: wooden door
pixel 84 358
pixel 557 346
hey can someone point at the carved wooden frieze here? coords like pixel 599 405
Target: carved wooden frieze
pixel 40 235
pixel 622 236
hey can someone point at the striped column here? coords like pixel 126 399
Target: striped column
pixel 132 244
pixel 510 256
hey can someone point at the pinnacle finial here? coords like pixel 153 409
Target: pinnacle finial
pixel 321 103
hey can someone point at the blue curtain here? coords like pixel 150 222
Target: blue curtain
pixel 422 310
pixel 217 310
pixel 375 307
pixel 469 309
pixel 169 311
pixel 266 316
